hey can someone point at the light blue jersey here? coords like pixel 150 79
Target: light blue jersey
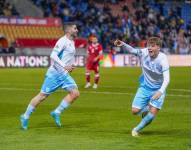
pixel 155 77
pixel 56 75
pixel 152 69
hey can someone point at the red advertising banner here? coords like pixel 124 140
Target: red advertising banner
pixel 79 43
pixel 31 21
pixel 35 43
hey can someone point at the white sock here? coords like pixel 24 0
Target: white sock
pixel 28 111
pixel 63 105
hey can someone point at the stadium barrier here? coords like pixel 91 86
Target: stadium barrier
pixel 32 61
pixel 31 21
pixel 107 60
pixel 132 61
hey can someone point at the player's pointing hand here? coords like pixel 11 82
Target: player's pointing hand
pixel 118 43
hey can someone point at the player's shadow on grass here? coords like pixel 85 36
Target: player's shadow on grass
pixel 80 126
pixel 66 125
pixel 169 132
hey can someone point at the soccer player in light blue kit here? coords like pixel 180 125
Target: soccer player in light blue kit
pixel 63 56
pixel 153 81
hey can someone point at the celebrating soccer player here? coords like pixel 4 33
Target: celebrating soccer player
pixel 94 52
pixel 63 56
pixel 153 81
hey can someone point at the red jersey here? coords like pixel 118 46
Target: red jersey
pixel 93 51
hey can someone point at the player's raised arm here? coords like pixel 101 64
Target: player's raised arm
pixel 127 47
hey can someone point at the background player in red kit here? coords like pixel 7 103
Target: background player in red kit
pixel 94 52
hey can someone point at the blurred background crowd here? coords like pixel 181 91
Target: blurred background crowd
pixel 132 21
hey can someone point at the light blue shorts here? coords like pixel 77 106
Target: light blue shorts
pixel 53 81
pixel 143 98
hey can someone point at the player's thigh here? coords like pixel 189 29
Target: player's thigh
pixel 69 84
pixel 89 66
pixel 158 103
pixel 51 83
pixel 88 71
pixel 141 98
pixel 96 68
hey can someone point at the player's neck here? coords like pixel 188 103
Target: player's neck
pixel 70 37
pixel 154 56
pixel 94 44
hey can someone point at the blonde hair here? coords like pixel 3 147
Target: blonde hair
pixel 154 41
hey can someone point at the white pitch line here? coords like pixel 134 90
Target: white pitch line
pixel 94 92
pixel 170 89
pixel 119 87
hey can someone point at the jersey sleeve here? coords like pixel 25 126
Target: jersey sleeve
pixel 59 46
pixel 132 50
pixel 165 64
pixel 166 74
pixel 100 49
pixel 166 80
pixel 57 50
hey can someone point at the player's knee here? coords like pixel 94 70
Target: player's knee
pixel 97 75
pixel 135 111
pixel 75 94
pixel 42 96
pixel 87 73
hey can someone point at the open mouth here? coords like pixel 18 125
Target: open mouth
pixel 150 51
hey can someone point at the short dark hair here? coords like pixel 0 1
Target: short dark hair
pixel 67 25
pixel 154 40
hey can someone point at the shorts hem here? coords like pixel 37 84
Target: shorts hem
pixel 48 93
pixel 69 88
pixel 155 106
pixel 133 106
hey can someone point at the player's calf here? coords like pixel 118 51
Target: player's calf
pixel 144 122
pixel 65 103
pixel 38 99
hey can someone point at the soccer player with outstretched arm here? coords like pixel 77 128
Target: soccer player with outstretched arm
pixel 153 81
pixel 57 76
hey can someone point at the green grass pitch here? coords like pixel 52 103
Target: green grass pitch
pixel 100 119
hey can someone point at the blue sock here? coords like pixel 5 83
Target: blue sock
pixel 144 122
pixel 145 109
pixel 63 105
pixel 29 111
